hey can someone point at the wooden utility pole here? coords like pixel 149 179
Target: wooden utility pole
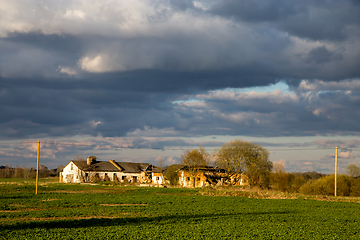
pixel 336 155
pixel 37 168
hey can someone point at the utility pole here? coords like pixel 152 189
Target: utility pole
pixel 336 155
pixel 37 168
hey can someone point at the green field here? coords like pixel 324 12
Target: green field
pixel 77 211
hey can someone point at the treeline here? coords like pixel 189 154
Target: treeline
pixel 313 183
pixel 28 173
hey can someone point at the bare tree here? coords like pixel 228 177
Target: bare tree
pixel 18 173
pixel 352 170
pixel 161 162
pixel 280 176
pixel 194 160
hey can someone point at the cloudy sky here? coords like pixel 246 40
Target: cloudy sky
pixel 141 80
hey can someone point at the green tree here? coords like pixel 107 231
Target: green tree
pixel 355 187
pixel 171 174
pixel 248 158
pixel 296 181
pixel 193 160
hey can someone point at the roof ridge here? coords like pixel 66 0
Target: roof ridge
pixel 116 165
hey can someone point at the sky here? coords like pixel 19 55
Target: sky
pixel 145 80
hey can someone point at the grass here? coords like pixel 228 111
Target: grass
pixel 28 181
pixel 80 211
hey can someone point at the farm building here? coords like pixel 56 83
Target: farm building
pixel 93 171
pixel 209 176
pixel 157 175
pixel 200 176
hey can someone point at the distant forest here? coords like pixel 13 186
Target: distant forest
pixel 28 173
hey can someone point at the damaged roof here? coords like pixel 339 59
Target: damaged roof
pixel 203 168
pixel 130 167
pixel 96 166
pixel 107 166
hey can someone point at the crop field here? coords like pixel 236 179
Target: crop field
pixel 79 211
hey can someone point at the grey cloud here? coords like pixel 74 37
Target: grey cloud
pixel 324 113
pixel 245 51
pixel 343 144
pixel 36 55
pixel 246 44
pixel 308 166
pixel 127 70
pixel 256 11
pixel 316 20
pixel 72 112
pixel 182 4
pixel 322 55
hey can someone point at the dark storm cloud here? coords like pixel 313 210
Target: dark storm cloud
pixel 257 11
pixel 65 43
pixel 322 55
pixel 113 69
pixel 36 55
pixel 316 20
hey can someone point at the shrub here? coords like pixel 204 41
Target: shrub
pixel 296 181
pixel 355 187
pixel 95 178
pixel 326 186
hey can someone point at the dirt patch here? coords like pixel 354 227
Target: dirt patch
pixel 16 205
pixel 90 191
pixel 22 210
pixel 36 209
pixel 123 204
pixel 66 218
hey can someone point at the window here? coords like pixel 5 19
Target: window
pixel 71 167
pixel 187 178
pixel 123 177
pixel 198 179
pixel 134 178
pixel 157 178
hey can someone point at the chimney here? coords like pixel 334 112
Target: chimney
pixel 90 160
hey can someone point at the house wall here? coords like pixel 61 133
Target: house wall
pixel 186 180
pixel 114 176
pixel 71 173
pixel 157 178
pixel 239 180
pixel 91 176
pixel 130 177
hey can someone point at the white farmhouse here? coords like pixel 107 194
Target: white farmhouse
pixel 93 171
